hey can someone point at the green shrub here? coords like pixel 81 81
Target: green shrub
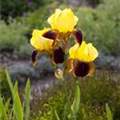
pixel 38 19
pixel 101 26
pixel 94 3
pixel 53 1
pixel 15 111
pixel 18 7
pixel 13 38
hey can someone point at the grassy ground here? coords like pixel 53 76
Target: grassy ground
pixel 95 93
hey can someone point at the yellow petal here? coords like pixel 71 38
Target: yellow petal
pixel 64 21
pixel 87 52
pixel 84 52
pixel 92 68
pixel 39 42
pixel 93 53
pixel 73 51
pixel 53 18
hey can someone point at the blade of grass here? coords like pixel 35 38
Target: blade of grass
pixel 27 100
pixel 10 83
pixel 16 99
pixel 3 114
pixel 11 117
pixel 7 104
pixel 56 114
pixel 17 104
pixel 76 103
pixel 108 113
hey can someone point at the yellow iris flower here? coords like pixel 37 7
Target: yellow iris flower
pixel 63 21
pixel 39 42
pixel 45 40
pixel 52 41
pixel 83 56
pixel 84 52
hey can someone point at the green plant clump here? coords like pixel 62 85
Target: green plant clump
pixel 13 38
pixel 4 89
pixel 101 25
pixel 15 111
pixel 84 103
pixel 17 7
pixel 38 19
pixel 94 96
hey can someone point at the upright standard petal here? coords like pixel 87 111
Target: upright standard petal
pixel 52 20
pixel 73 50
pixel 64 21
pixel 84 52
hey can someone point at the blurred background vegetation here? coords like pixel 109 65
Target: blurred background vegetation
pixel 100 22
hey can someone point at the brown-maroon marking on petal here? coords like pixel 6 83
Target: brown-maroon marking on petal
pixel 53 43
pixel 58 55
pixel 33 56
pixel 78 36
pixel 81 69
pixel 51 34
pixel 69 65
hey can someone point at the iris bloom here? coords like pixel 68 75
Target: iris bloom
pixel 54 42
pixel 63 21
pixel 43 41
pixel 81 59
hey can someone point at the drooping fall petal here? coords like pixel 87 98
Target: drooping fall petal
pixel 58 55
pixel 51 34
pixel 78 36
pixel 81 69
pixel 33 57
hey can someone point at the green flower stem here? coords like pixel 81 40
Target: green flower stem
pixel 74 117
pixel 66 97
